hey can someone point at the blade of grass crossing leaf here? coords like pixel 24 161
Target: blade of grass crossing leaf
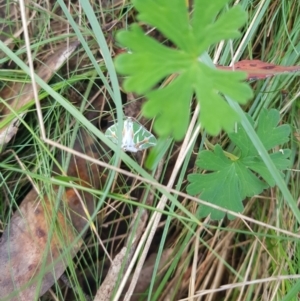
pixel 266 158
pixel 157 153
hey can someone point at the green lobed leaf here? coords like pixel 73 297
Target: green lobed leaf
pixel 268 124
pixel 161 103
pixel 166 16
pixel 147 65
pixel 208 32
pixel 267 130
pixel 226 187
pixel 229 182
pixel 256 164
pixel 148 62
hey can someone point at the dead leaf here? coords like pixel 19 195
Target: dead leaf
pixel 30 260
pixel 17 95
pixel 257 69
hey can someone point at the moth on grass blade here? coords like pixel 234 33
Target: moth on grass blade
pixel 135 137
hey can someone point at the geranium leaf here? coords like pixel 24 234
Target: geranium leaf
pixel 229 181
pixel 148 62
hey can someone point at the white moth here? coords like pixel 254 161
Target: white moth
pixel 135 137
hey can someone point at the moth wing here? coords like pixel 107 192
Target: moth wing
pixel 142 137
pixel 111 133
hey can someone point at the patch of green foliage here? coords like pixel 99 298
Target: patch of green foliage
pixel 148 62
pixel 230 181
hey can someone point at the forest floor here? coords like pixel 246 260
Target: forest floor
pixel 253 256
